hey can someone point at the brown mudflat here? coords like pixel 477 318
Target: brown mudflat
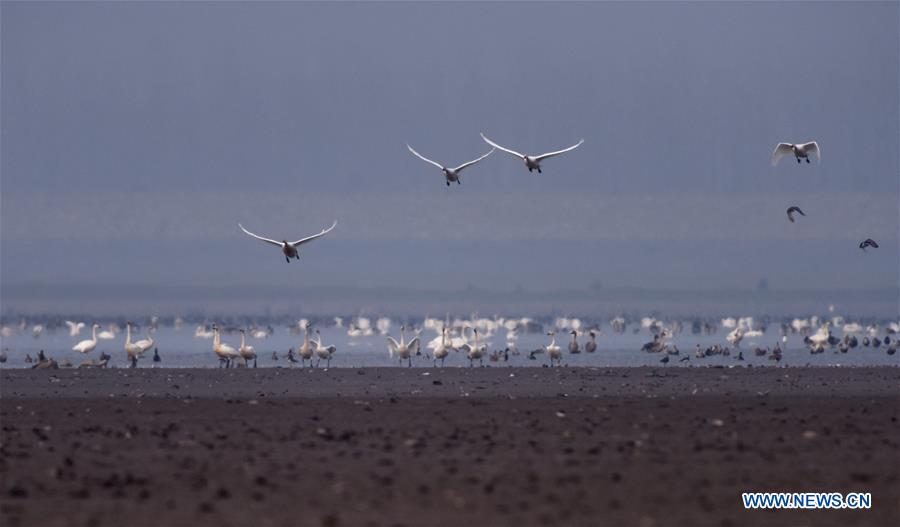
pixel 455 447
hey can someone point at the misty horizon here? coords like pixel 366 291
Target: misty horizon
pixel 136 136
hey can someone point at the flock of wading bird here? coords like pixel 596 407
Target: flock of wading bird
pixel 476 339
pixel 474 347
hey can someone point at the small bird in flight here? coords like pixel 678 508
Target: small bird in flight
pixel 290 248
pixel 869 242
pixel 450 174
pixel 799 150
pixel 792 210
pixel 532 162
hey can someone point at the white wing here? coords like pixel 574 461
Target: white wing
pixel 467 348
pixel 498 147
pixel 563 151
pixel 812 146
pixel 393 346
pixel 314 236
pixel 273 242
pixel 413 345
pixel 423 158
pixel 781 150
pixel 470 163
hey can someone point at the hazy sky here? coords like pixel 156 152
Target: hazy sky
pixel 136 135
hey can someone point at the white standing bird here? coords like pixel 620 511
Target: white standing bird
pixel 475 351
pixel 131 349
pixel 145 344
pixel 402 349
pixel 450 174
pixel 443 349
pixel 247 352
pixel 225 352
pixel 799 151
pixel 87 346
pixel 305 351
pixel 532 162
pixel 323 352
pixel 553 350
pixel 290 248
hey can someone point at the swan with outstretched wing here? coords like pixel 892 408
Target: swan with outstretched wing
pixel 450 174
pixel 402 349
pixel 799 151
pixel 290 248
pixel 532 162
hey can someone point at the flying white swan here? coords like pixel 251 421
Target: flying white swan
pixel 323 352
pixel 203 332
pixel 290 248
pixel 450 174
pixel 74 328
pixel 225 352
pixel 402 349
pixel 735 337
pixel 87 346
pixel 532 162
pixel 799 150
pixel 247 352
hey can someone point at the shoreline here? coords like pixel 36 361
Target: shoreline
pixel 448 382
pixel 393 446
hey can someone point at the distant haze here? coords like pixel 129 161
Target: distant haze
pixel 135 136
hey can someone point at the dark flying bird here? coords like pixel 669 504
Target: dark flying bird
pixel 869 242
pixel 791 210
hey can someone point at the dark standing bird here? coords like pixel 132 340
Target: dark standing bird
pixel 869 242
pixel 591 346
pixel 156 357
pixel 665 359
pixel 791 210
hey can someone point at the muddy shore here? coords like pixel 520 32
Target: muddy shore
pixel 492 446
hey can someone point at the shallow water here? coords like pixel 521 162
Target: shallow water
pixel 180 348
